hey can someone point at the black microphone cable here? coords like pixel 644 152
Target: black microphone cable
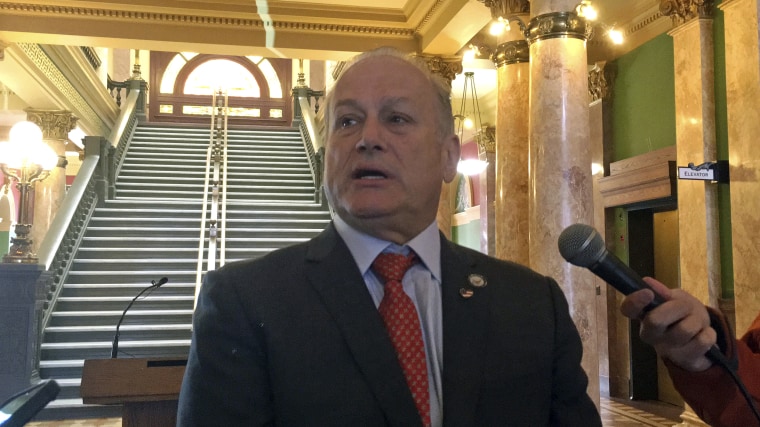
pixel 715 355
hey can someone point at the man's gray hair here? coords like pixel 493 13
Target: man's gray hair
pixel 441 87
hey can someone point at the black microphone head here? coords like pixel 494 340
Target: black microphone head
pixel 581 245
pixel 161 281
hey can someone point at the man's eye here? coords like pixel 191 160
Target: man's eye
pixel 398 119
pixel 346 122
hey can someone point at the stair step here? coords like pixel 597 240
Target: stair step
pixel 151 229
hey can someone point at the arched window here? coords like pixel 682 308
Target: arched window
pixel 186 81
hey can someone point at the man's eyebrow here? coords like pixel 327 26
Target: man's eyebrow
pixel 348 102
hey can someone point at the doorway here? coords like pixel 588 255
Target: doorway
pixel 653 251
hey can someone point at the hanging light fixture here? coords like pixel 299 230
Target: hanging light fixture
pixel 469 121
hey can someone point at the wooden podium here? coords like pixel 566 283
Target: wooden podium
pixel 148 389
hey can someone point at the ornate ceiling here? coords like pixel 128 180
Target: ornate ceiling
pixel 313 29
pixel 308 29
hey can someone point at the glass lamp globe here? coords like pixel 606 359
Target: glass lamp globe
pixel 26 147
pixel 25 131
pixel 471 166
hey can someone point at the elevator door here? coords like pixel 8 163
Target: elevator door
pixel 665 227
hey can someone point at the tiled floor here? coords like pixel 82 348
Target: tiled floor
pixel 615 413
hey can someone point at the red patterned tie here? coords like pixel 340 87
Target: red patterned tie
pixel 403 324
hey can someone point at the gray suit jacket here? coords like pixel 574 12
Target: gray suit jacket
pixel 294 339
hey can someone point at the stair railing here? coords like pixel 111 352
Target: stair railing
pixel 93 184
pixel 311 127
pixel 214 188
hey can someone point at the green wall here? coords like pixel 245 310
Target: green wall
pixel 643 104
pixel 643 109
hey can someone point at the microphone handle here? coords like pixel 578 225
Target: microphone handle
pixel 115 345
pixel 622 277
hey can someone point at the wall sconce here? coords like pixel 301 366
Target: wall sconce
pixel 469 166
pixel 25 159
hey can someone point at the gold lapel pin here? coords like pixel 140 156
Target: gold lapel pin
pixel 477 280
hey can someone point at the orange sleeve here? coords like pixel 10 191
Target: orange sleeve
pixel 712 393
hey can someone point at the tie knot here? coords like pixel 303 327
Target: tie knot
pixel 392 267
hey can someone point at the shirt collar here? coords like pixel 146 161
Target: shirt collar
pixel 365 248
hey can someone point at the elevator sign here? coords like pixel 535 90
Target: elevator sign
pixel 708 171
pixel 698 174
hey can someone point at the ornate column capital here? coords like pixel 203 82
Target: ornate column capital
pixel 55 124
pixel 486 139
pixel 600 79
pixel 504 8
pixel 682 11
pixel 447 68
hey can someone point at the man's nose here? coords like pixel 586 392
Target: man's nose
pixel 371 137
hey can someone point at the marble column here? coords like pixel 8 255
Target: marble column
pixel 698 236
pixel 49 193
pixel 560 183
pixel 699 256
pixel 600 80
pixel 447 68
pixel 743 107
pixel 487 188
pixel 512 60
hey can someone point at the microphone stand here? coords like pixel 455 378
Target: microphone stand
pixel 153 285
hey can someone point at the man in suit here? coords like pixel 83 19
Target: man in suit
pixel 304 335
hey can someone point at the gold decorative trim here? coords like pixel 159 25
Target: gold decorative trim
pixel 486 139
pixel 51 71
pixel 200 20
pixel 682 11
pixel 504 8
pixel 429 16
pixel 512 52
pixel 644 22
pixel 600 80
pixel 55 124
pixel 447 68
pixel 558 25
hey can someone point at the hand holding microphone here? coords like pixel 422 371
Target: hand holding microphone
pixel 674 322
pixel 680 331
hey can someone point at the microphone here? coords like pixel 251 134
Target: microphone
pixel 583 246
pixel 153 285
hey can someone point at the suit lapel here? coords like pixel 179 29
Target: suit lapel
pixel 333 274
pixel 464 336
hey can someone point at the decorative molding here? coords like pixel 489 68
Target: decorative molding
pixel 55 124
pixel 486 139
pixel 644 22
pixel 558 24
pixel 447 68
pixel 682 11
pixel 504 8
pixel 92 56
pixel 429 16
pixel 646 178
pixel 600 79
pixel 52 73
pixel 512 52
pixel 199 20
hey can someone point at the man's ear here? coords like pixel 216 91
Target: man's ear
pixel 450 157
